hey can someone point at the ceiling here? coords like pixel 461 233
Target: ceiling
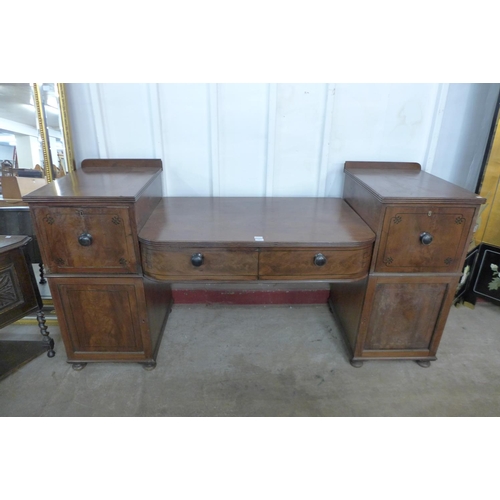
pixel 17 105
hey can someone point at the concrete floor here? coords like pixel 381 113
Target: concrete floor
pixel 265 361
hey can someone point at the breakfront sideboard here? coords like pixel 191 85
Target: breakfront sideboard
pixel 391 249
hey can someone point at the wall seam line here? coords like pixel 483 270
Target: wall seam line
pixel 272 106
pixel 325 141
pixel 214 138
pixel 97 111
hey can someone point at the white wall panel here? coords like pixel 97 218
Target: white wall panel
pixel 375 122
pixel 242 134
pixel 282 139
pixel 126 120
pixel 82 121
pixel 300 119
pixel 383 121
pixel 185 120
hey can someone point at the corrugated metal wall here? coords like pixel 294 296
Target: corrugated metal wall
pixel 282 139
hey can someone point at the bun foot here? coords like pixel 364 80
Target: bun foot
pixel 78 366
pixel 149 366
pixel 356 364
pixel 423 363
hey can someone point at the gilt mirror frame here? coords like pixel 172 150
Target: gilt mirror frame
pixel 44 136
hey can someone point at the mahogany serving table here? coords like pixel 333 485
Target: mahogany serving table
pixel 392 251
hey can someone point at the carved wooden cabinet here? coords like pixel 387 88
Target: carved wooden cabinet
pixel 19 294
pixel 15 219
pixel 87 225
pixel 423 226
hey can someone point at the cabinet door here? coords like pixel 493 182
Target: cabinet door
pixel 102 319
pixel 404 316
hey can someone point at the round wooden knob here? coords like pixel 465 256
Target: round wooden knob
pixel 319 259
pixel 85 239
pixel 197 259
pixel 426 238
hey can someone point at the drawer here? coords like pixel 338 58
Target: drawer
pixel 314 263
pixel 86 240
pixel 199 263
pixel 424 238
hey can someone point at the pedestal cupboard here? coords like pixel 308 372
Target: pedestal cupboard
pixel 87 224
pixel 423 226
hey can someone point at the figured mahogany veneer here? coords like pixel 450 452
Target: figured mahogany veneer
pixel 87 223
pixel 423 225
pixel 401 248
pixel 392 251
pixel 255 238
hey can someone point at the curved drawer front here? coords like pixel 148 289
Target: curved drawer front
pixel 423 238
pixel 199 263
pixel 86 240
pixel 314 263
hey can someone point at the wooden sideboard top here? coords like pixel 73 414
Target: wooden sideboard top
pixel 407 183
pixel 241 222
pixel 95 184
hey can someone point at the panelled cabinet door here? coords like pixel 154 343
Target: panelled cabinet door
pixel 423 238
pixel 87 239
pixel 405 316
pixel 104 318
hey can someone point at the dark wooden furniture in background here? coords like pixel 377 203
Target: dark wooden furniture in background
pixel 424 226
pixel 16 220
pixel 19 294
pixel 87 224
pixel 113 247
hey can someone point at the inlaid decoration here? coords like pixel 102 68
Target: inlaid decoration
pixel 388 261
pixel 397 219
pixel 49 220
pixel 448 261
pixel 459 220
pixel 116 220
